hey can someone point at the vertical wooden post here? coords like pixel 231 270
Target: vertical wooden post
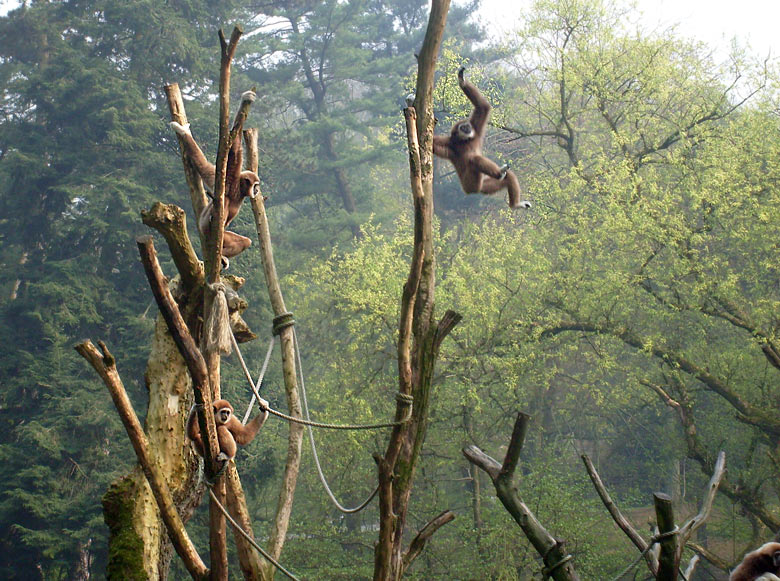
pixel 668 561
pixel 283 325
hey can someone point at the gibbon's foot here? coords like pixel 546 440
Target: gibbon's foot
pixel 225 263
pixel 524 204
pixel 504 168
pixel 180 129
pixel 223 460
pixel 410 99
pixel 248 96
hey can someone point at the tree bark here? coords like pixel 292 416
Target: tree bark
pixel 105 365
pixel 553 552
pixel 139 544
pixel 419 336
pixel 668 560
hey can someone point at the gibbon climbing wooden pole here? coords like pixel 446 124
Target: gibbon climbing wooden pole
pixel 213 259
pixel 283 322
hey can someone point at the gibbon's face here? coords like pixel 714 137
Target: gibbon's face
pixel 250 184
pixel 221 416
pixel 463 131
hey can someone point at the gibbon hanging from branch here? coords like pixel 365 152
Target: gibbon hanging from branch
pixel 238 184
pixel 463 147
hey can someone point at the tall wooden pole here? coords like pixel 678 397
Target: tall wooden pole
pixel 283 326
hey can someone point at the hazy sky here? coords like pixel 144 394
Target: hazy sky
pixel 716 22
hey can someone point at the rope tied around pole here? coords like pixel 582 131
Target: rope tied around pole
pixel 282 322
pixel 653 541
pixel 548 571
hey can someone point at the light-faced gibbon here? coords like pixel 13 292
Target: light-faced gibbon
pixel 763 564
pixel 230 431
pixel 238 185
pixel 463 147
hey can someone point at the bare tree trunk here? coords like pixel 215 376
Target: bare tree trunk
pixel 128 506
pixel 557 561
pixel 18 282
pixel 419 336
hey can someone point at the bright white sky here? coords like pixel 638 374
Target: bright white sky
pixel 753 23
pixel 716 22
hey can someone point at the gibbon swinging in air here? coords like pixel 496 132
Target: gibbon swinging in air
pixel 463 147
pixel 230 431
pixel 238 184
pixel 763 564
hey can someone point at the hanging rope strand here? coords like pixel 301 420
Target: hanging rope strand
pixel 255 394
pixel 249 538
pixel 324 480
pixel 249 375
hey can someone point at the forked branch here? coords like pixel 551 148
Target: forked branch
pixel 105 365
pixel 558 563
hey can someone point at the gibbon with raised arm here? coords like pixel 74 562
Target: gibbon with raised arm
pixel 238 185
pixel 763 564
pixel 230 431
pixel 463 147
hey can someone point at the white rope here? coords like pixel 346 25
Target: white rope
pixel 324 481
pixel 249 375
pixel 248 537
pixel 308 421
pixel 408 400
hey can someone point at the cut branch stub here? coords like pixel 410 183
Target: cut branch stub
pixel 668 561
pixel 170 221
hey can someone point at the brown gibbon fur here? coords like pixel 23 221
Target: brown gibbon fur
pixel 230 431
pixel 463 147
pixel 238 184
pixel 763 564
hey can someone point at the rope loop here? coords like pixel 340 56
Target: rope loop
pixel 660 536
pixel 404 398
pixel 282 322
pixel 548 571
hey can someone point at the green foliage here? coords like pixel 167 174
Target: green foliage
pixel 81 153
pixel 652 243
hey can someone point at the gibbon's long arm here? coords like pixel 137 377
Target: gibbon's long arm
pixel 246 433
pixel 441 146
pixel 481 114
pixel 193 431
pixel 205 169
pixel 235 160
